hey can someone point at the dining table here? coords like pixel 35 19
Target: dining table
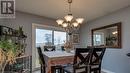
pixel 53 58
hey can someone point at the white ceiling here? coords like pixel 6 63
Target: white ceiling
pixel 88 9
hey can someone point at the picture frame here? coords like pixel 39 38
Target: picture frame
pixel 6 30
pixel 75 38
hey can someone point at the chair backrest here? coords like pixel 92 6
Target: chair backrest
pixel 41 55
pixel 49 48
pixel 82 55
pixel 62 48
pixel 97 56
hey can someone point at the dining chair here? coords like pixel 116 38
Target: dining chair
pixel 81 57
pixel 95 60
pixel 62 48
pixel 49 48
pixel 56 69
pixel 41 59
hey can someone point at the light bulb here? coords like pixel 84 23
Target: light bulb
pixel 75 24
pixel 115 32
pixel 80 20
pixel 64 25
pixel 68 17
pixel 59 21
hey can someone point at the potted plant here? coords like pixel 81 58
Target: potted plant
pixel 8 53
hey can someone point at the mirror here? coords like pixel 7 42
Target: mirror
pixel 107 36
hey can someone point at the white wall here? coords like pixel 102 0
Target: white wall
pixel 115 59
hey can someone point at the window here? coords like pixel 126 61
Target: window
pixel 43 37
pixel 50 37
pixel 99 39
pixel 59 39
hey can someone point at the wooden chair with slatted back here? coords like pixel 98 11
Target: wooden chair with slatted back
pixel 95 60
pixel 81 57
pixel 49 48
pixel 41 59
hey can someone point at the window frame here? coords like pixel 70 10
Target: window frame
pixel 53 30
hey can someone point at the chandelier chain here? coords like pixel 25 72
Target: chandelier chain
pixel 69 1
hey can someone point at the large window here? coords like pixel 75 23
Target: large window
pixel 59 39
pixel 43 37
pixel 50 37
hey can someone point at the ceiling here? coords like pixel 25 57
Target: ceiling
pixel 88 9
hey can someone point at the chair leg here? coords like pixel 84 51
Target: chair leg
pixel 61 70
pixel 44 70
pixel 96 71
pixel 99 71
pixel 52 70
pixel 41 69
pixel 55 69
pixel 88 69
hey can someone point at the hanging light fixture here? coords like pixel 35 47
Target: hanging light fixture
pixel 69 23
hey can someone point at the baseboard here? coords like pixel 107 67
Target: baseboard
pixel 107 71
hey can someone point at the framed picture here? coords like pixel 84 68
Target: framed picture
pixel 5 30
pixel 75 38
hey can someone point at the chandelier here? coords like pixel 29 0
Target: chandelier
pixel 69 23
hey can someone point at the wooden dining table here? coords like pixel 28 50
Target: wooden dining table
pixel 54 58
